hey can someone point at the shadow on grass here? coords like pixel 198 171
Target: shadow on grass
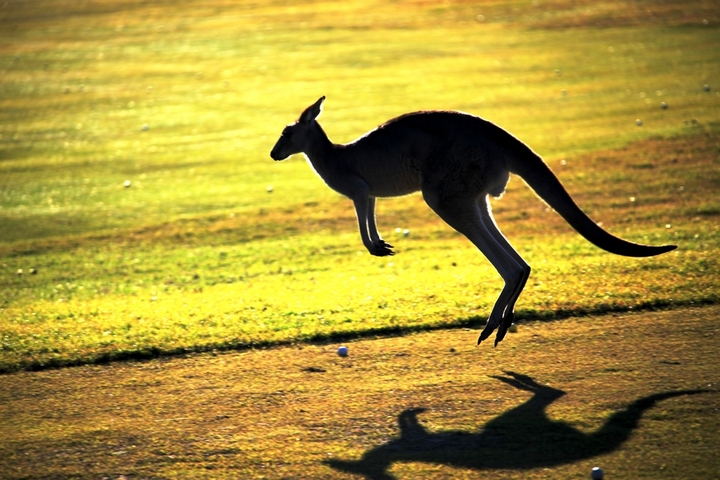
pixel 520 439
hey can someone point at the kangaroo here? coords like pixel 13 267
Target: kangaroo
pixel 456 160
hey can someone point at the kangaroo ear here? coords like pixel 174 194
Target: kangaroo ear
pixel 312 112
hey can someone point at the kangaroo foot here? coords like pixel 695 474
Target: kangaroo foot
pixel 501 325
pixel 503 328
pixel 382 249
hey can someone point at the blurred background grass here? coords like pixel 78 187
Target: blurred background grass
pixel 215 81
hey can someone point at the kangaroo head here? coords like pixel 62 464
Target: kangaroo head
pixel 527 383
pixel 296 137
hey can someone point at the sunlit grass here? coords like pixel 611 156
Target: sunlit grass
pixel 215 87
pixel 196 254
pixel 296 273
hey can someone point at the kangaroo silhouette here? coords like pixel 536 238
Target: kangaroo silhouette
pixel 457 160
pixel 535 440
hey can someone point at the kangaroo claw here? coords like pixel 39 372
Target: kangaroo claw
pixel 382 249
pixel 486 332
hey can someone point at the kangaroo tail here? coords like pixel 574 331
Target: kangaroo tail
pixel 531 168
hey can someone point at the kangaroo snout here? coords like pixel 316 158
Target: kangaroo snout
pixel 276 155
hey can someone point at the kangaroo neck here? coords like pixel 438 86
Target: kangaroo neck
pixel 319 149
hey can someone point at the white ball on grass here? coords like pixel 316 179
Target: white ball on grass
pixel 127 183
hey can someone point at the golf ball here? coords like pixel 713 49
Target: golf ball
pixel 597 473
pixel 127 183
pixel 342 351
pixel 638 122
pixel 512 328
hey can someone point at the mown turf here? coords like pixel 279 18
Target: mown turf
pixel 216 81
pixel 290 412
pixel 281 275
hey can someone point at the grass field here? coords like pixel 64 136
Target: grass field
pixel 185 99
pixel 290 412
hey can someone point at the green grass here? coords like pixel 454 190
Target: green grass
pixel 197 255
pixel 225 78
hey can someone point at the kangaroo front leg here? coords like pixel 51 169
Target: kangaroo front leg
pixel 372 227
pixel 365 210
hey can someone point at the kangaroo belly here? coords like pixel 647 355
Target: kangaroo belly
pixel 401 183
pixel 390 177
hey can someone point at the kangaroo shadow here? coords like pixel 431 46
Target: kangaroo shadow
pixel 519 439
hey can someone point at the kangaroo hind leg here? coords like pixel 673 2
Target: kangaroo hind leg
pixel 508 315
pixel 472 218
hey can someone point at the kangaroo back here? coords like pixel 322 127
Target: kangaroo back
pixel 531 168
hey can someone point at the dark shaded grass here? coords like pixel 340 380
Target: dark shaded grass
pixel 424 405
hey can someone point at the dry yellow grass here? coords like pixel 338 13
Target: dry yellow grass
pixel 285 412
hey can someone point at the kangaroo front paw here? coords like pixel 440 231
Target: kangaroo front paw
pixel 381 249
